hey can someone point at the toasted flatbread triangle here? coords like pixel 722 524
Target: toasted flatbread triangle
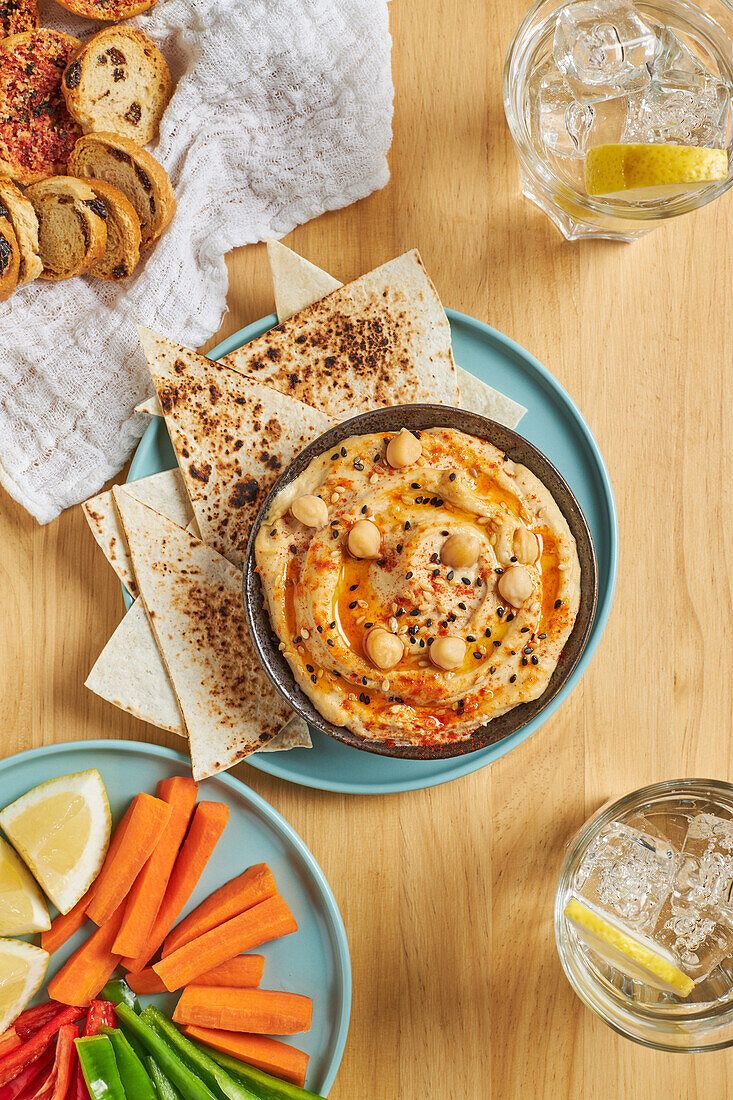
pixel 298 283
pixel 382 340
pixel 131 674
pixel 232 436
pixel 193 597
pixel 165 493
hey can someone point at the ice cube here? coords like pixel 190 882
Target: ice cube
pixel 564 124
pixel 603 48
pixel 681 108
pixel 699 939
pixel 627 873
pixel 674 56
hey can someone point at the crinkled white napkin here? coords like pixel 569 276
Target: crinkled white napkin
pixel 282 110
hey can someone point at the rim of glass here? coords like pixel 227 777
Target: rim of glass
pixel 643 210
pixel 695 788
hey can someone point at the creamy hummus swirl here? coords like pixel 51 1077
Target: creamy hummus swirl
pixel 324 602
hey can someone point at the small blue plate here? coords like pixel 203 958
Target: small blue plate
pixel 314 960
pixel 554 423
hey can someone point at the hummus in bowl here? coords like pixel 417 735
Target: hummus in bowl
pixel 420 582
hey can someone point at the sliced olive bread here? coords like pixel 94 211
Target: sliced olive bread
pixel 125 165
pixel 118 82
pixel 72 226
pixel 9 256
pixel 23 219
pixel 108 10
pixel 122 253
pixel 17 16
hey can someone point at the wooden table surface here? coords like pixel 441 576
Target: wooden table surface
pixel 447 893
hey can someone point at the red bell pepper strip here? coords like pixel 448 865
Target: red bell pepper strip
pixel 22 1056
pixel 33 1019
pixel 32 1073
pixel 100 1014
pixel 31 1092
pixel 78 1089
pixel 56 1086
pixel 9 1040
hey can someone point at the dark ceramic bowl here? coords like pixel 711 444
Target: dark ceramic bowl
pixel 519 450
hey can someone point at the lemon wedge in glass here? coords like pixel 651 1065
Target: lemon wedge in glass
pixel 61 830
pixel 22 969
pixel 651 171
pixel 638 957
pixel 22 906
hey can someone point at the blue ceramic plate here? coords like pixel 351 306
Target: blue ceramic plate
pixel 555 425
pixel 314 961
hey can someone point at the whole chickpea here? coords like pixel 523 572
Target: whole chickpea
pixel 448 653
pixel 365 539
pixel 310 510
pixel 404 449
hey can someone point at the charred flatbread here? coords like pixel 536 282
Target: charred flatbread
pixel 232 436
pixel 194 602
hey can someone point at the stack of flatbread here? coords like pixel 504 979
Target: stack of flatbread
pixel 181 659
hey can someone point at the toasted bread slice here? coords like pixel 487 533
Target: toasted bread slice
pixel 125 165
pixel 72 226
pixel 119 82
pixel 23 219
pixel 108 10
pixel 37 133
pixel 9 256
pixel 122 253
pixel 17 16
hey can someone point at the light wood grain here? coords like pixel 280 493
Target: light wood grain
pixel 447 894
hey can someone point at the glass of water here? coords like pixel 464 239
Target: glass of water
pixel 620 111
pixel 644 915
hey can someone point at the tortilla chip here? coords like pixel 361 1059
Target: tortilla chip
pixel 193 597
pixel 130 674
pixel 381 340
pixel 297 282
pixel 165 493
pixel 232 436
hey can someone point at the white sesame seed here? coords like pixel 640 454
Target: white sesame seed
pixel 335 497
pixel 362 603
pixel 305 633
pixel 281 647
pixel 393 624
pixel 385 685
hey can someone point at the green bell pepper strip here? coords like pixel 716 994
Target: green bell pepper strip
pixel 119 992
pixel 263 1085
pixel 134 1077
pixel 99 1066
pixel 136 1046
pixel 215 1076
pixel 163 1087
pixel 187 1083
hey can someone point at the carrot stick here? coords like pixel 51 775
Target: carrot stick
pixel 267 921
pixel 146 895
pixel 270 1055
pixel 89 969
pixel 147 819
pixel 65 925
pixel 248 889
pixel 244 972
pixel 262 1011
pixel 207 826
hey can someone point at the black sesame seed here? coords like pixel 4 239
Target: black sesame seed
pixel 512 678
pixel 444 534
pixel 492 669
pixel 297 639
pixel 477 655
pixel 436 573
pixel 319 628
pixel 450 574
pixel 310 668
pixel 428 622
pixel 478 582
pixel 412 629
pixel 314 679
pixel 343 452
pixel 353 587
pixel 352 605
pixel 412 640
pixel 334 456
pixel 524 630
pixel 293 548
pixel 334 534
pixel 451 618
pixel 558 603
pixel 500 612
pixel 399 547
pixel 368 626
pixel 380 562
pixel 430 641
pixel 512 558
pixel 334 523
pixel 528 649
pixel 465 580
pixel 362 697
pixel 415 611
pixel 377 458
pixel 512 651
pixel 330 641
pixel 451 477
pixel 524 660
pixel 434 557
pixel 408 525
pixel 499 569
pixel 461 702
pixel 408 575
pixel 487 633
pixel 542 636
pixel 358 465
pixel 422 643
pixel 470 638
pixel 363 511
pixel 332 625
pixel 398 612
pixel 398 699
pixel 364 681
pixel 367 700
pixel 497 643
pixel 535 660
pixel 418 500
pixel 462 606
pixel 415 485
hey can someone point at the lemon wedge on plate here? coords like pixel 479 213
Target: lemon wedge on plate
pixel 638 957
pixel 651 171
pixel 61 830
pixel 22 907
pixel 22 969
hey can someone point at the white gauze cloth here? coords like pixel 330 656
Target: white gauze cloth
pixel 282 110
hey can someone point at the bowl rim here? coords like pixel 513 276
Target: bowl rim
pixel 429 416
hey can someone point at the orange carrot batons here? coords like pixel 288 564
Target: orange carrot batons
pixel 270 1055
pixel 145 822
pixel 148 890
pixel 256 884
pixel 207 825
pixel 269 920
pixel 244 972
pixel 260 1011
pixel 89 969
